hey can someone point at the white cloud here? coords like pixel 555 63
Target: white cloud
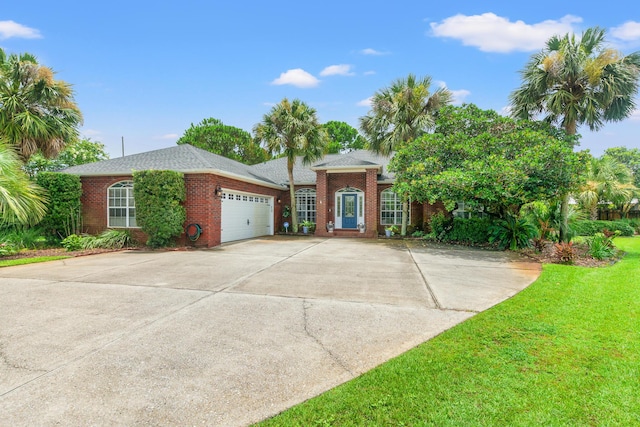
pixel 9 29
pixel 169 136
pixel 459 96
pixel 369 73
pixel 635 115
pixel 628 31
pixel 492 33
pixel 296 77
pixel 369 51
pixel 365 102
pixel 90 133
pixel 337 70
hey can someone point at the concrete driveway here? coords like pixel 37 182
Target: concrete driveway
pixel 226 336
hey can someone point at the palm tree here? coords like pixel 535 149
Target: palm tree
pixel 21 200
pixel 291 129
pixel 400 113
pixel 37 112
pixel 573 82
pixel 607 181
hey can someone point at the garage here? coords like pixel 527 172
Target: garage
pixel 245 215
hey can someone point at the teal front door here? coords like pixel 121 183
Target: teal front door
pixel 349 211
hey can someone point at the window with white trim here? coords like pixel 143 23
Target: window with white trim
pixel 306 204
pixel 121 205
pixel 390 208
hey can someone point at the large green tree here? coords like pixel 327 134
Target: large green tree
pixel 21 200
pixel 577 81
pixel 291 129
pixel 343 138
pixel 37 112
pixel 478 156
pixel 78 152
pixel 228 141
pixel 400 113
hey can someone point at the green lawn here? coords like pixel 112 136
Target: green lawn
pixel 22 261
pixel 565 351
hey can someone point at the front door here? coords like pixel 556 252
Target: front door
pixel 349 211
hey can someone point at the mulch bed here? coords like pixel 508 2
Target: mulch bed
pixel 583 259
pixel 36 253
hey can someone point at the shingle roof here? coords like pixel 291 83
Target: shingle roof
pixel 188 159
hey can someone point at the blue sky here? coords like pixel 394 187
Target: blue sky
pixel 146 70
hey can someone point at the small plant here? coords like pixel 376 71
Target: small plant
pixel 7 249
pixel 539 244
pixel 512 233
pixel 114 239
pixel 601 246
pixel 73 242
pixel 565 252
pixel 286 211
pixel 418 233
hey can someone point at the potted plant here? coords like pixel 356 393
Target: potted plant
pixel 306 225
pixel 390 230
pixel 361 227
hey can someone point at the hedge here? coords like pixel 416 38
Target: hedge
pixel 469 230
pixel 590 227
pixel 63 216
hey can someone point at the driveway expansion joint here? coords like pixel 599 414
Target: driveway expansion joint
pixel 424 280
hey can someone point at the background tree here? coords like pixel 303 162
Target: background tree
pixel 228 141
pixel 21 200
pixel 78 152
pixel 574 82
pixel 291 129
pixel 628 157
pixel 478 156
pixel 607 180
pixel 399 114
pixel 343 138
pixel 37 112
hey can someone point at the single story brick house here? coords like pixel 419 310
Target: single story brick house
pixel 344 194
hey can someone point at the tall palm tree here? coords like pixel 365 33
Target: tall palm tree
pixel 37 112
pixel 573 82
pixel 292 130
pixel 607 181
pixel 21 200
pixel 400 113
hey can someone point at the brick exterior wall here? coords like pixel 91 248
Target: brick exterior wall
pixel 202 206
pixel 205 209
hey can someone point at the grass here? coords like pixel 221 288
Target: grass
pixel 565 351
pixel 22 261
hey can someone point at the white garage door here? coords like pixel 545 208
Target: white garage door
pixel 245 216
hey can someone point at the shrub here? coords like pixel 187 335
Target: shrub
pixel 565 252
pixel 590 228
pixel 512 233
pixel 439 225
pixel 64 208
pixel 114 239
pixel 23 237
pixel 73 242
pixel 159 211
pixel 470 230
pixel 601 246
pixel 8 248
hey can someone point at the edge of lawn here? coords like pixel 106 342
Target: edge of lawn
pixel 564 351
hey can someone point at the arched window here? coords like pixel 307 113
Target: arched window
pixel 121 205
pixel 390 208
pixel 306 204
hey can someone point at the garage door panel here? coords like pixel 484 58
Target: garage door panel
pixel 245 216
